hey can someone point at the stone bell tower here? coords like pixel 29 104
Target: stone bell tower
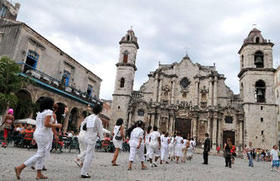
pixel 124 77
pixel 257 91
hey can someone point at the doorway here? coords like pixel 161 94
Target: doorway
pixel 183 126
pixel 229 134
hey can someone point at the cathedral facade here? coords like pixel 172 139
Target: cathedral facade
pixel 192 99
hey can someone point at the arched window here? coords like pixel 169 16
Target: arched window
pixel 260 91
pixel 122 82
pixel 242 61
pixel 257 40
pixel 259 59
pixel 128 37
pixel 241 90
pixel 141 112
pixel 125 57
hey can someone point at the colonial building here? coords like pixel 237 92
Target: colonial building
pixel 54 73
pixel 193 99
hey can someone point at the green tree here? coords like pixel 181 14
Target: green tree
pixel 10 83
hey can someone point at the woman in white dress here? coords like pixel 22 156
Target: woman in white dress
pixel 171 148
pixel 118 138
pixel 136 143
pixel 164 148
pixel 178 147
pixel 43 135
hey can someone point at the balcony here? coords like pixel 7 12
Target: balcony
pixel 48 82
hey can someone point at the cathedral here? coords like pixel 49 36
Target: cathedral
pixel 192 99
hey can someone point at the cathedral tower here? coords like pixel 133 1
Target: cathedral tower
pixel 125 76
pixel 257 91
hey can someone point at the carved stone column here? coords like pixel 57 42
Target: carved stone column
pixel 196 92
pixel 214 139
pixel 215 91
pixel 173 91
pixel 210 93
pixel 160 90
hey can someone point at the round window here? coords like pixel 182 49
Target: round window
pixel 185 82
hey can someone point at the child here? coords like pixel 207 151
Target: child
pixel 178 147
pixel 274 158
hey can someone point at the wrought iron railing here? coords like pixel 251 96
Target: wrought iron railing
pixel 37 74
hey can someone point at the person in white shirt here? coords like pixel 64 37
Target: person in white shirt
pixel 147 141
pixel 118 138
pixel 43 136
pixel 94 129
pixel 154 146
pixel 136 143
pixel 164 148
pixel 274 153
pixel 171 148
pixel 178 147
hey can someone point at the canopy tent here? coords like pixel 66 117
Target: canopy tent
pixel 26 121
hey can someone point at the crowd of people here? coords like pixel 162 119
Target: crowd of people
pixel 147 143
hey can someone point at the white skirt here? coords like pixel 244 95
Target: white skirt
pixel 178 151
pixel 118 143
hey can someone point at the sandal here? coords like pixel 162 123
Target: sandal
pixel 17 174
pixel 129 169
pixel 41 177
pixel 144 168
pixel 114 164
pixel 78 164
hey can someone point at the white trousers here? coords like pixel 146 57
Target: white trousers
pixel 82 146
pixel 148 149
pixel 43 151
pixel 154 151
pixel 139 152
pixel 164 153
pixel 90 143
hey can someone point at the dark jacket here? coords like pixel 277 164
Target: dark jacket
pixel 207 145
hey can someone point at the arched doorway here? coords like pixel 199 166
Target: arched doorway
pixel 229 134
pixel 60 116
pixel 24 106
pixel 73 120
pixel 36 107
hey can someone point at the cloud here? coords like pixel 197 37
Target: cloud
pixel 210 31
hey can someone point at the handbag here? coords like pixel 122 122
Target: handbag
pixel 118 137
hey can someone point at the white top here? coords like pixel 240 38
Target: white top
pixel 154 136
pixel 41 130
pixel 185 142
pixel 178 140
pixel 117 131
pixel 135 136
pixel 94 126
pixel 164 140
pixel 274 154
pixel 147 138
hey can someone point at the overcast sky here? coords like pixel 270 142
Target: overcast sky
pixel 212 31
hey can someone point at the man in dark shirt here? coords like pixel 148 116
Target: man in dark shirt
pixel 206 149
